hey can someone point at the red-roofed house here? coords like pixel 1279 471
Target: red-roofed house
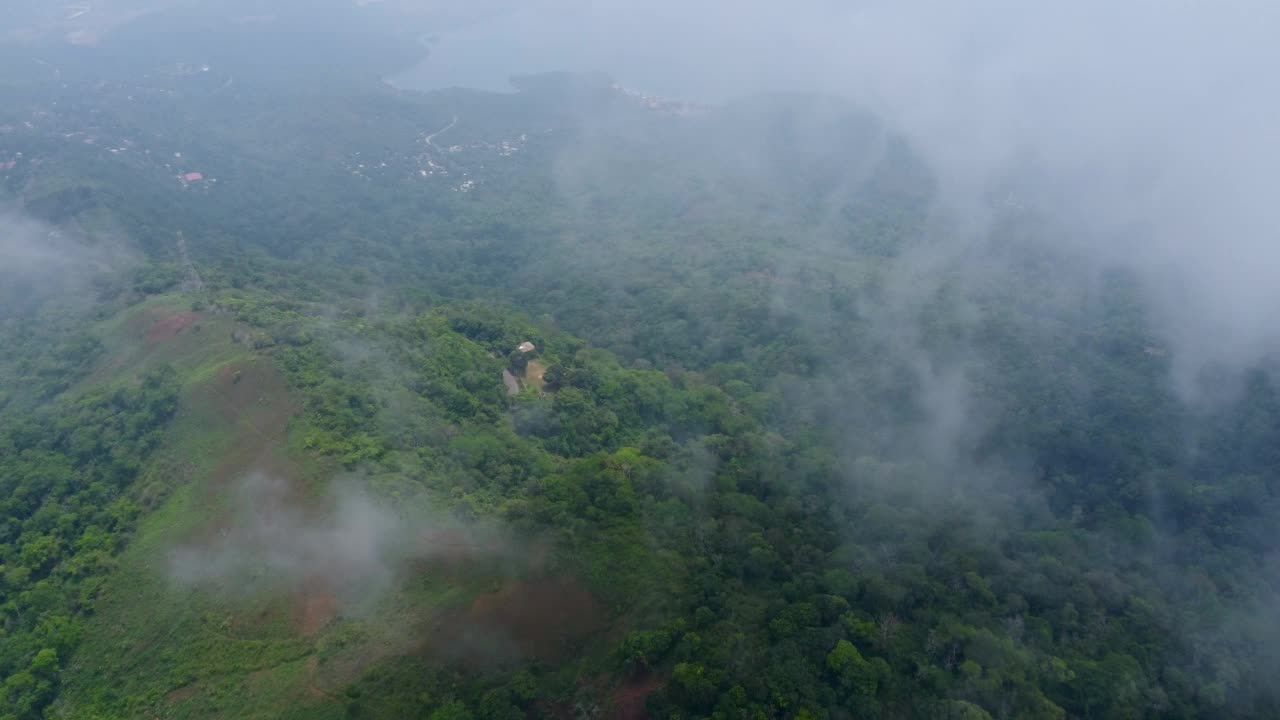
pixel 192 177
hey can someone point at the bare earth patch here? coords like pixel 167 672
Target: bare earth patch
pixel 314 607
pixel 172 325
pixel 526 620
pixel 533 375
pixel 628 700
pixel 182 694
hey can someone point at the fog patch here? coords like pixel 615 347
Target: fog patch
pixel 1144 131
pixel 1143 135
pixel 39 261
pixel 350 543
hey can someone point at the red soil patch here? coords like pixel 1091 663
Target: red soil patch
pixel 255 395
pixel 182 694
pixel 172 325
pixel 313 608
pixel 525 620
pixel 628 701
pixel 147 328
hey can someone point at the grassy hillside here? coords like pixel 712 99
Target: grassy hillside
pixel 462 596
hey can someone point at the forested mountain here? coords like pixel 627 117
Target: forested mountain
pixel 321 398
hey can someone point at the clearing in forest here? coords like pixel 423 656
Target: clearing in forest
pixel 628 699
pixel 533 375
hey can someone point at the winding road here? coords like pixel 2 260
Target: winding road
pixel 431 138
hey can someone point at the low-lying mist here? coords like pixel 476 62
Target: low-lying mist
pixel 349 542
pixel 1141 132
pixel 40 262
